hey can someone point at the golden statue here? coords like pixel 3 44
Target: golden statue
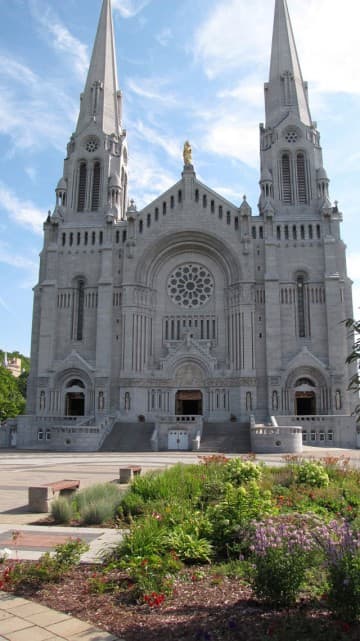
pixel 187 154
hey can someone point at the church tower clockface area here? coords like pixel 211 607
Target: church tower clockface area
pixel 193 323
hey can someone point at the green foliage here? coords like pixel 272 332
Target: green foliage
pixel 230 517
pixel 61 510
pixel 278 576
pixel 312 473
pixel 151 573
pixel 145 538
pixel 11 401
pixel 49 569
pixel 239 471
pixel 344 590
pixel 354 357
pixel 189 547
pixel 97 504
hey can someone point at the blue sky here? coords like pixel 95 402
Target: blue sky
pixel 188 69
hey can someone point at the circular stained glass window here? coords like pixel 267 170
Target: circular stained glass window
pixel 190 285
pixel 92 144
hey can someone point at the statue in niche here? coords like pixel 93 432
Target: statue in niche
pixel 187 154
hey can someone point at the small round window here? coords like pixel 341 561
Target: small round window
pixel 190 285
pixel 91 144
pixel 291 136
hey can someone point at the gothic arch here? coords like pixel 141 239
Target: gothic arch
pixel 171 245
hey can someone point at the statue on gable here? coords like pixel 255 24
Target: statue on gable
pixel 187 154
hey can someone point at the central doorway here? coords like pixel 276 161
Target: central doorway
pixel 188 402
pixel 305 403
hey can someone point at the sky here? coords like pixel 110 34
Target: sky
pixel 188 69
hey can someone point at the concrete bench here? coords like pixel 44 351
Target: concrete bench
pixel 126 474
pixel 40 496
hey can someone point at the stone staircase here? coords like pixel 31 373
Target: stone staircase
pixel 226 437
pixel 128 437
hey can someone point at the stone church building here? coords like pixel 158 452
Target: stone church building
pixel 193 323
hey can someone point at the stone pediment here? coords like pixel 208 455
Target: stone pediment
pixel 74 361
pixel 305 358
pixel 189 350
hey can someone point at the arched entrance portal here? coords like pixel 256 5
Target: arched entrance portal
pixel 305 403
pixel 305 397
pixel 75 398
pixel 75 404
pixel 188 402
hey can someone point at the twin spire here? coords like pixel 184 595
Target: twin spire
pixel 101 100
pixel 286 91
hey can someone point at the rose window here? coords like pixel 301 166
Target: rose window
pixel 92 144
pixel 190 285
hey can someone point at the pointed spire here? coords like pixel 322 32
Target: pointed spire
pixel 100 101
pixel 286 91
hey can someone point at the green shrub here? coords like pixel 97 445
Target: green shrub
pixel 231 517
pixel 61 510
pixel 311 473
pixel 278 576
pixel 146 537
pixel 239 471
pixel 152 573
pixel 132 504
pixel 344 591
pixel 98 503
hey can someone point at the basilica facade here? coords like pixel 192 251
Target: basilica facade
pixel 192 311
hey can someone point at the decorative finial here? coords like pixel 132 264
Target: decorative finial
pixel 187 154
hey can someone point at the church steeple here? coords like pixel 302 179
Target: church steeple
pixel 286 90
pixel 293 178
pixel 101 100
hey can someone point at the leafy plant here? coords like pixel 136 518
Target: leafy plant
pixel 239 471
pixel 281 553
pixel 189 547
pixel 312 473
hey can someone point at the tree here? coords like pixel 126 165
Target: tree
pixel 12 402
pixel 354 383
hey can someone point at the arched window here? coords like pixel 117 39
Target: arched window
pixel 78 324
pixel 287 190
pixel 302 192
pixel 95 194
pixel 82 186
pixel 301 305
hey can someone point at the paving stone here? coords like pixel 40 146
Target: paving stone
pixel 48 617
pixel 13 624
pixel 30 634
pixel 70 628
pixel 4 614
pixel 94 634
pixel 25 611
pixel 9 601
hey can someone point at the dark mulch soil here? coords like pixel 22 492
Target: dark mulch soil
pixel 214 608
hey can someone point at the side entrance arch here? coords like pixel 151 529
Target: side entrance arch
pixel 75 398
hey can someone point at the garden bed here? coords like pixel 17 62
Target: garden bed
pixel 210 608
pixel 227 549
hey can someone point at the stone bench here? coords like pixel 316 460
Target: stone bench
pixel 40 496
pixel 126 474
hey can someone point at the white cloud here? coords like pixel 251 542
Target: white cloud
pixel 130 8
pixel 32 173
pixel 148 178
pixel 353 267
pixel 4 305
pixel 233 37
pixel 153 89
pixel 61 40
pixel 28 120
pixel 155 137
pixel 164 36
pixel 227 137
pixel 20 211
